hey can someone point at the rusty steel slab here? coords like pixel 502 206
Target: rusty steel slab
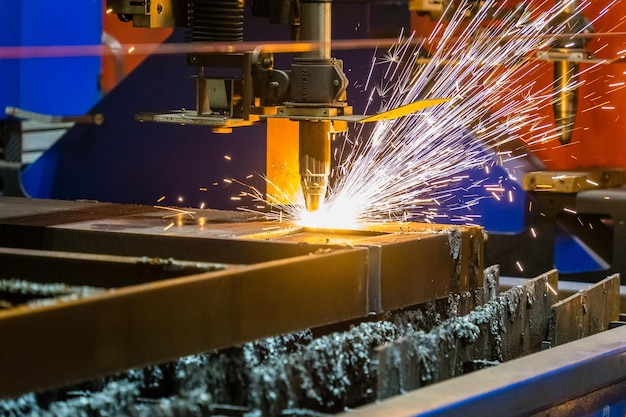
pixel 280 278
pixel 68 341
pixel 588 312
pixel 409 263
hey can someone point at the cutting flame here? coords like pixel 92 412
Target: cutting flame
pixel 329 217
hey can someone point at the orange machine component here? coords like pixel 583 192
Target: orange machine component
pixel 116 66
pixel 283 175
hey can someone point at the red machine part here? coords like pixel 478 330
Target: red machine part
pixel 114 70
pixel 600 126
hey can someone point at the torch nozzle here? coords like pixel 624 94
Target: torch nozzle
pixel 314 189
pixel 314 142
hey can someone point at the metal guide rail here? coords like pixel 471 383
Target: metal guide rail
pixel 166 283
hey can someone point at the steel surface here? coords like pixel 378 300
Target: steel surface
pixel 588 312
pixel 277 278
pixel 68 341
pixel 409 263
pixel 510 325
pixel 566 288
pixel 94 270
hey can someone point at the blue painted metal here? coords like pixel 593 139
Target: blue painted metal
pixel 62 86
pixel 570 256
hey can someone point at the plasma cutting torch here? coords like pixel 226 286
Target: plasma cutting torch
pixel 312 92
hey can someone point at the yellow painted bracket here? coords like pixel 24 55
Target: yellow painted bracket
pixel 403 110
pixel 394 113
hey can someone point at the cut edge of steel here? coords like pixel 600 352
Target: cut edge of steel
pixel 69 341
pixel 511 388
pixel 587 312
pixel 518 329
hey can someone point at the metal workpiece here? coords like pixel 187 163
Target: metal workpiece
pixel 408 264
pixel 70 341
pixel 588 312
pixel 414 269
pixel 305 373
pixel 506 326
pixel 176 285
pixel 566 288
pixel 314 371
pixel 96 270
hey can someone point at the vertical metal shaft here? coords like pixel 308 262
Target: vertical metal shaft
pixel 565 80
pixel 566 100
pixel 315 26
pixel 315 136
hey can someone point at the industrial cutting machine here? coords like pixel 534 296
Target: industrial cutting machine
pixel 151 152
